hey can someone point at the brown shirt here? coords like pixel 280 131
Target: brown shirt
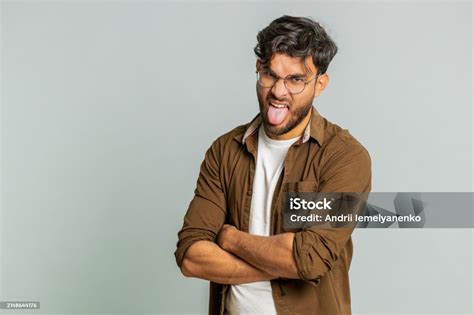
pixel 325 159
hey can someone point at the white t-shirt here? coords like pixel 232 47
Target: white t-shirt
pixel 256 297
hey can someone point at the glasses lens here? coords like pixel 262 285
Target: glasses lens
pixel 265 79
pixel 296 85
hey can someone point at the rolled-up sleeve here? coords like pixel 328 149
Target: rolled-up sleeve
pixel 206 212
pixel 316 250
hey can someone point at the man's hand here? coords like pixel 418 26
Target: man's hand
pixel 273 254
pixel 226 237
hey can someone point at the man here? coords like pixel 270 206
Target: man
pixel 233 233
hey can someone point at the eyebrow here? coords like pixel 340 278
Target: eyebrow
pixel 293 75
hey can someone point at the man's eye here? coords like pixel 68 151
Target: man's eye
pixel 297 80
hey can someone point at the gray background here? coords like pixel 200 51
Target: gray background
pixel 108 108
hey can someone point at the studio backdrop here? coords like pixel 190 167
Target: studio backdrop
pixel 107 109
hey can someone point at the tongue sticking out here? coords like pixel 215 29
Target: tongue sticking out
pixel 277 115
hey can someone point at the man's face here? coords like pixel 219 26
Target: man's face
pixel 282 111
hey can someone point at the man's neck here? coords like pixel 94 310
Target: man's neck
pixel 295 132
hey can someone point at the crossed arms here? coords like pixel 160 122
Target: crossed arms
pixel 240 257
pixel 212 250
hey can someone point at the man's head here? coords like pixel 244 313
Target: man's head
pixel 293 56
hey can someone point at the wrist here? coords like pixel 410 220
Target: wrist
pixel 232 238
pixel 227 237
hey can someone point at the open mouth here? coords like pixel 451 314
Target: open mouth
pixel 278 104
pixel 277 112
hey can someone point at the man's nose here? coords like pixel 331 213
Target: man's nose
pixel 279 89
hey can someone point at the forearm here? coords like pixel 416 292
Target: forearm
pixel 206 260
pixel 273 254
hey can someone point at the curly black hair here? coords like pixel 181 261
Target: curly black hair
pixel 297 37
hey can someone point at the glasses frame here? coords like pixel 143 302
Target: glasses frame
pixel 278 78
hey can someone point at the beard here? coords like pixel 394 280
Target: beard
pixel 296 115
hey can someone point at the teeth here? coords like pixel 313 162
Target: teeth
pixel 278 105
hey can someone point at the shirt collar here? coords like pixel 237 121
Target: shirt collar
pixel 314 129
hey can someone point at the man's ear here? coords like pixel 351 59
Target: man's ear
pixel 258 64
pixel 321 82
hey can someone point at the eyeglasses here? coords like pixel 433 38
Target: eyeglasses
pixel 294 84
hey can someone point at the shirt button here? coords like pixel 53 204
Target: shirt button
pixel 249 192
